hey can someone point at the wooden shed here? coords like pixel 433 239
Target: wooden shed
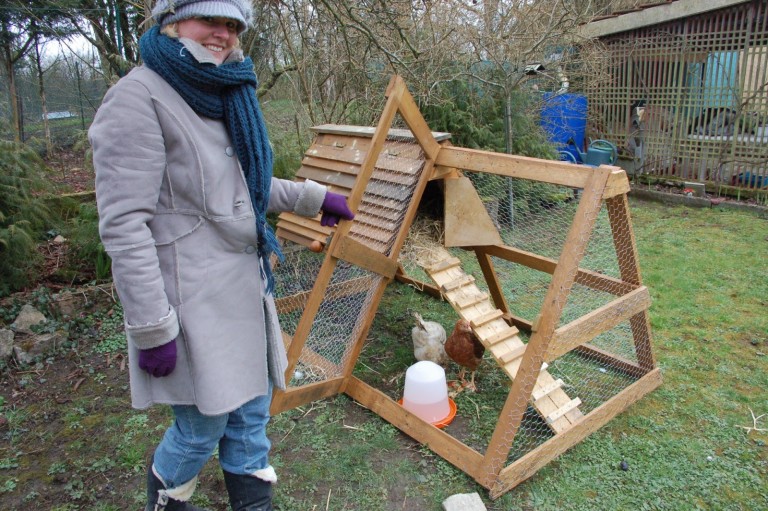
pixel 684 89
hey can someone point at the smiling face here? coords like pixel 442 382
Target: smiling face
pixel 217 35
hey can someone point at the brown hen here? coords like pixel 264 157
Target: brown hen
pixel 465 349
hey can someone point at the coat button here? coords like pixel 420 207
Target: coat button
pixel 229 151
pixel 250 249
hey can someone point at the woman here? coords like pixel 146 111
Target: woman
pixel 183 184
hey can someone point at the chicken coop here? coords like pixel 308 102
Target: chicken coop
pixel 538 256
pixel 683 88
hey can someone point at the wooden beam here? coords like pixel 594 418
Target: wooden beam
pixel 532 169
pixel 365 257
pixel 409 110
pixel 297 396
pixel 588 278
pixel 629 269
pixel 600 320
pixel 544 326
pixel 443 444
pixel 526 466
pixel 614 361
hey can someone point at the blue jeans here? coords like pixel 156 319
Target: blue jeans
pixel 188 444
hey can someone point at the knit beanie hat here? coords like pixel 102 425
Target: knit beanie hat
pixel 171 11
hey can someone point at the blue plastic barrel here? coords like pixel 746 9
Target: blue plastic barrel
pixel 564 118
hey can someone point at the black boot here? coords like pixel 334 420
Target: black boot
pixel 158 498
pixel 248 493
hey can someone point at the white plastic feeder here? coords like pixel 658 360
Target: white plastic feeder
pixel 426 392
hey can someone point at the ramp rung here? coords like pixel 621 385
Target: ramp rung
pixel 469 300
pixel 570 405
pixel 486 318
pixel 542 391
pixel 511 355
pixel 501 336
pixel 445 264
pixel 462 281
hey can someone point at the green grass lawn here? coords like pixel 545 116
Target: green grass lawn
pixel 683 444
pixel 71 441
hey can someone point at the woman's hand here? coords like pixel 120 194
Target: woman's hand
pixel 159 361
pixel 334 208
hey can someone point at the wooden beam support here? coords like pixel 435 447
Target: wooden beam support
pixel 365 257
pixel 532 169
pixel 600 320
pixel 526 466
pixel 297 396
pixel 443 444
pixel 591 279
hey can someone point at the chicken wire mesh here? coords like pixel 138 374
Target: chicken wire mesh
pixel 535 218
pixel 557 300
pixel 348 298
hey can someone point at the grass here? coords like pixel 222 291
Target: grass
pixel 686 445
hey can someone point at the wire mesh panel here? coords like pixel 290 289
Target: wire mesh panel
pixel 349 299
pixel 688 98
pixel 547 281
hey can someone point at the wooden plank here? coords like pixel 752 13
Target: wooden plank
pixel 467 300
pixel 509 356
pixel 526 466
pixel 372 232
pixel 409 110
pixel 296 238
pixel 455 284
pixel 588 278
pixel 301 230
pixel 508 333
pixel 486 318
pixel 445 264
pixel 629 267
pixel 532 169
pixel 360 255
pixel 376 221
pixel 328 165
pixel 600 320
pixel 310 223
pixel 560 412
pixel 297 396
pixel 541 391
pixel 325 177
pixel 366 131
pixel 492 280
pixel 443 444
pixel 544 326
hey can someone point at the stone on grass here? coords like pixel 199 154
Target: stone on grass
pixel 464 502
pixel 27 317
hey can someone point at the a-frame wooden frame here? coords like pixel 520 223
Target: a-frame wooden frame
pixel 602 185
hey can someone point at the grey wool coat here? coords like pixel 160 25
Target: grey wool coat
pixel 177 221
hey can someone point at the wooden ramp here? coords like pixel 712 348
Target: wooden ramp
pixel 501 339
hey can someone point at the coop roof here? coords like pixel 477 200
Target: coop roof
pixel 651 14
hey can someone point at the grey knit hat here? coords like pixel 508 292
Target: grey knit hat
pixel 171 11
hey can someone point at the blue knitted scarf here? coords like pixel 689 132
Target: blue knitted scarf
pixel 227 92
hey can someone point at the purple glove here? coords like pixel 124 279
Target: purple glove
pixel 334 208
pixel 159 361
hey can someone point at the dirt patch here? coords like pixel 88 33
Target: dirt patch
pixel 70 172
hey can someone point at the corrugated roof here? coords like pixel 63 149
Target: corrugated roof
pixel 650 14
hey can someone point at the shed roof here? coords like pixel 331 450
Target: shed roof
pixel 651 14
